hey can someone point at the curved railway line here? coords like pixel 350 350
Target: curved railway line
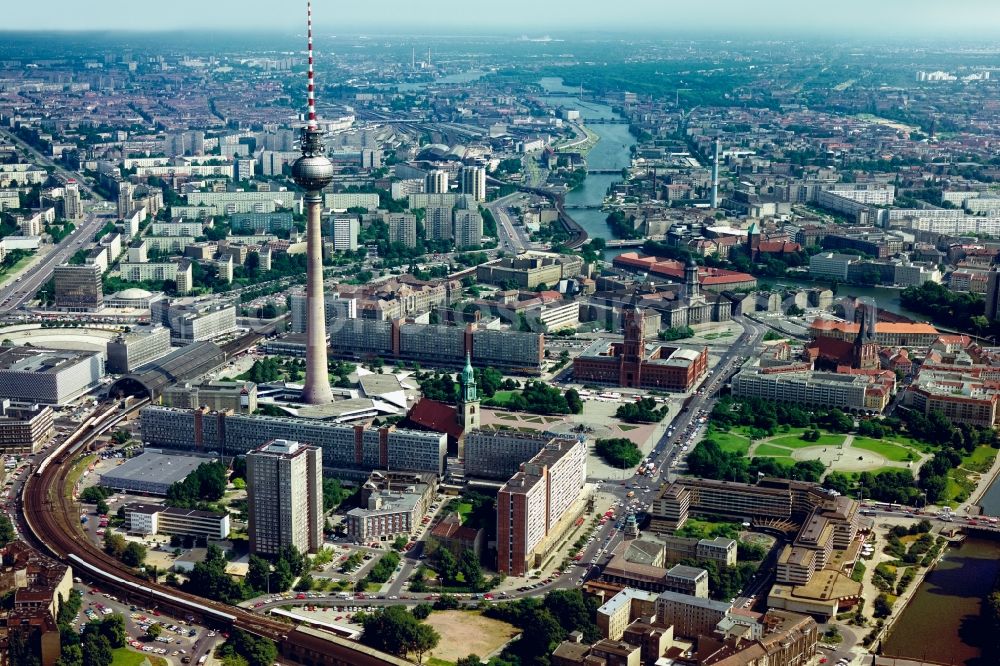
pixel 51 523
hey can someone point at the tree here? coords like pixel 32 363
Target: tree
pixel 619 452
pixel 154 631
pixel 134 554
pixel 96 650
pixel 399 543
pixel 574 401
pixel 471 660
pixel 333 494
pixel 422 611
pixel 676 333
pixel 255 650
pixel 424 639
pixel 642 411
pixel 296 560
pixel 6 530
pixel 470 569
pixel 281 577
pixel 114 544
pixel 258 570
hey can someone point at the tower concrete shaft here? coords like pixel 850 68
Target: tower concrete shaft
pixel 317 385
pixel 715 177
pixel 312 172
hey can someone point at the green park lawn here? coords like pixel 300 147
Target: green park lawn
pixel 127 657
pixel 6 273
pixel 958 487
pixel 980 460
pixel 887 450
pixel 706 528
pixel 730 442
pixel 796 441
pixel 501 398
pixel 772 451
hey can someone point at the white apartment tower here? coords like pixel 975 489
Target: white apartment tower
pixel 436 182
pixel 285 494
pixel 73 205
pixel 474 182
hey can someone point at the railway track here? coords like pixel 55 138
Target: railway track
pixel 51 519
pixel 51 522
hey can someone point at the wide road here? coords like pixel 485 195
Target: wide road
pixel 23 288
pixel 41 159
pixel 15 291
pixel 507 235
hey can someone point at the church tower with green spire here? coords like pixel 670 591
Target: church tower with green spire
pixel 468 401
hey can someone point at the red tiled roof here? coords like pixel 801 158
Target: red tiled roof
pixel 831 348
pixel 436 417
pixel 776 247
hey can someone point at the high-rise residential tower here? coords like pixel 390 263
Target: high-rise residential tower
pixel 312 172
pixel 285 497
pixel 73 205
pixel 474 182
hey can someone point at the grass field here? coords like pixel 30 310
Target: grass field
pixel 771 450
pixel 502 397
pixel 464 633
pixel 77 471
pixel 730 442
pixel 980 460
pixel 7 273
pixel 796 441
pixel 887 450
pixel 127 657
pixel 702 528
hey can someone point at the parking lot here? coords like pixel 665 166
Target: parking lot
pixel 180 641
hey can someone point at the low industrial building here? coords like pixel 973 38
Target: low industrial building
pixel 151 473
pixel 157 519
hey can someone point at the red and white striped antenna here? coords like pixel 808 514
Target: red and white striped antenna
pixel 312 90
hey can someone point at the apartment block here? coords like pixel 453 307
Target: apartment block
pixel 143 344
pixel 532 504
pixel 24 428
pixel 343 446
pixel 158 519
pixel 285 497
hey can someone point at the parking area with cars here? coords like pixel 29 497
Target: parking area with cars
pixel 179 641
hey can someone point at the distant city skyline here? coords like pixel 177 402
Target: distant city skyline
pixel 890 18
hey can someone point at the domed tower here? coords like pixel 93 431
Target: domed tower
pixel 312 172
pixel 468 401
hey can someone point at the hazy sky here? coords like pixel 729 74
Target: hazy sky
pixel 837 18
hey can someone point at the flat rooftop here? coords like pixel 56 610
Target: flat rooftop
pixel 29 359
pixel 154 467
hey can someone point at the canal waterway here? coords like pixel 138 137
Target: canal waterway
pixel 942 624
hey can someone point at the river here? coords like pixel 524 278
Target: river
pixel 942 622
pixel 612 151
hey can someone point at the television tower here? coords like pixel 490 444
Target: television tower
pixel 312 172
pixel 715 177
